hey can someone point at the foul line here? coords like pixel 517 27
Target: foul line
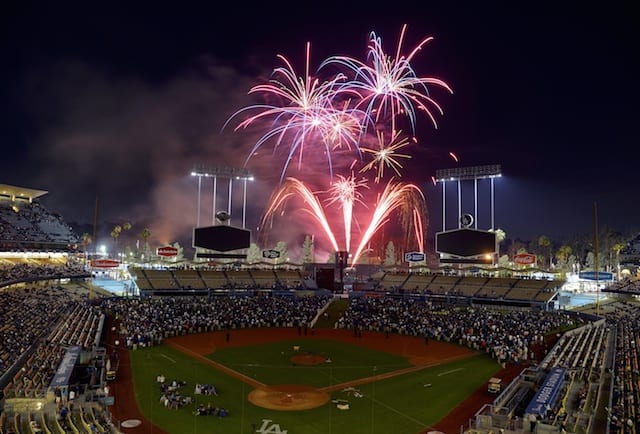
pixel 168 358
pixel 450 372
pixel 218 366
pixel 366 380
pixel 406 416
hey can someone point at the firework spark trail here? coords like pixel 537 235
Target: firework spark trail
pixel 345 192
pixel 292 187
pixel 388 84
pixel 419 229
pixel 393 196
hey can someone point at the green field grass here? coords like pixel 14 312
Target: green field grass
pixel 406 404
pixel 271 363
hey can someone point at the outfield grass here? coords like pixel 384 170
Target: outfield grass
pixel 406 404
pixel 271 363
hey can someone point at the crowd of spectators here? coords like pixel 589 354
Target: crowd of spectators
pixel 507 335
pixel 145 321
pixel 22 272
pixel 41 321
pixel 30 222
pixel 624 412
pixel 27 314
pixel 627 285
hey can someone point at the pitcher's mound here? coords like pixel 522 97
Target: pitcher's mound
pixel 288 397
pixel 308 359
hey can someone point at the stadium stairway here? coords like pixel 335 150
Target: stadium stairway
pixel 334 311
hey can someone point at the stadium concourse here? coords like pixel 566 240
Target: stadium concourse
pixel 565 370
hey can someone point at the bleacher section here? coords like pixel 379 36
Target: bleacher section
pixel 161 280
pixel 418 281
pixel 215 279
pixel 29 226
pixel 392 281
pixel 459 290
pixel 141 280
pixel 175 281
pixel 470 285
pixel 85 330
pixel 189 279
pixel 442 284
pixel 527 289
pixel 289 279
pixel 497 288
pixel 240 279
pixel 264 278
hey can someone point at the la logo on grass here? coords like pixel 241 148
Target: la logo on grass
pixel 270 428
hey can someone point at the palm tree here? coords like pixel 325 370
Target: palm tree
pixel 115 233
pixel 126 226
pixel 145 235
pixel 545 242
pixel 501 235
pixel 617 248
pixel 563 254
pixel 86 240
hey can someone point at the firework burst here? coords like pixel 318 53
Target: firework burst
pixel 386 155
pixel 388 85
pixel 309 115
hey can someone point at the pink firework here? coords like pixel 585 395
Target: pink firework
pixel 389 85
pixel 407 199
pixel 345 192
pixel 396 196
pixel 386 155
pixel 307 114
pixel 293 187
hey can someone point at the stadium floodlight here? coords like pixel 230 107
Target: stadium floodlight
pixel 222 172
pixel 468 173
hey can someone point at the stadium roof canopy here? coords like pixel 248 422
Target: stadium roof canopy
pixel 14 192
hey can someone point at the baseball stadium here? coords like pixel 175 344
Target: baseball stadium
pixel 342 311
pixel 266 347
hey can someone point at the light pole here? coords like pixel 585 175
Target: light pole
pixel 225 173
pixel 473 173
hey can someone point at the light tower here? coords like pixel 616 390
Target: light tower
pixel 467 244
pixel 229 173
pixel 473 173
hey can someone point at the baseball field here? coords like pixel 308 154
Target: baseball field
pixel 283 381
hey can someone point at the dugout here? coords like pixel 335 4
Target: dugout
pixel 547 395
pixel 62 378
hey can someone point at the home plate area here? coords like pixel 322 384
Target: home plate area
pixel 288 397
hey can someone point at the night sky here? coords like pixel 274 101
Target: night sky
pixel 120 103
